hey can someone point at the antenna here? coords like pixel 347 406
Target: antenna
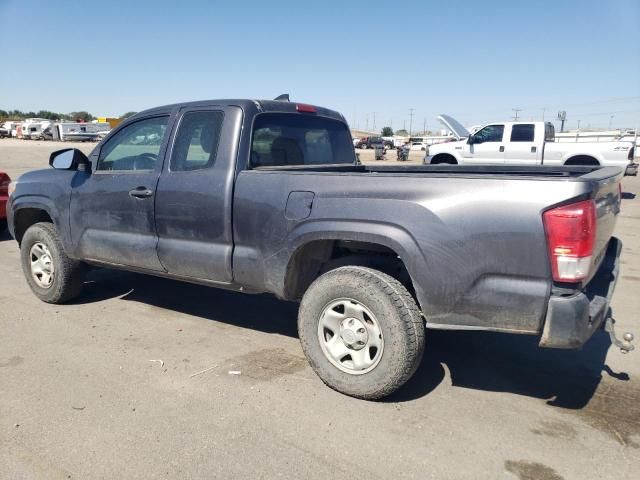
pixel 282 98
pixel 516 110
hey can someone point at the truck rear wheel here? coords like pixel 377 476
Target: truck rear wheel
pixel 51 274
pixel 361 331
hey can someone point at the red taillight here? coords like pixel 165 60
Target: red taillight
pixel 571 236
pixel 303 107
pixel 4 184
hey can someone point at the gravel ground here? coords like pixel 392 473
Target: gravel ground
pixel 132 381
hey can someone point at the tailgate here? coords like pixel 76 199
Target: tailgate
pixel 606 192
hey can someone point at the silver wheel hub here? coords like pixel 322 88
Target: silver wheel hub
pixel 353 333
pixel 41 262
pixel 350 336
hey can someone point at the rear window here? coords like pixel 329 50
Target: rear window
pixel 281 139
pixel 549 133
pixel 522 133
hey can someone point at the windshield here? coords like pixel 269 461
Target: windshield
pixel 281 139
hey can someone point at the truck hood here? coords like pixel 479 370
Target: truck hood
pixel 452 124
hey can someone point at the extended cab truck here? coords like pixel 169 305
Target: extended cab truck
pixel 526 143
pixel 370 142
pixel 266 196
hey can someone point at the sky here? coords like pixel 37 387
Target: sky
pixel 476 61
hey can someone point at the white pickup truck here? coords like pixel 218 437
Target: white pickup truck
pixel 526 143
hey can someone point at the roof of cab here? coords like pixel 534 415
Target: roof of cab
pixel 246 105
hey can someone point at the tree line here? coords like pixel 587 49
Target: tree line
pixel 72 116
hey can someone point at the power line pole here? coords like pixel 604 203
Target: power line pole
pixel 424 127
pixel 562 116
pixel 410 120
pixel 543 110
pixel 367 122
pixel 374 121
pixel 610 119
pixel 516 110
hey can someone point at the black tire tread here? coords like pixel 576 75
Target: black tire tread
pixel 69 273
pixel 410 315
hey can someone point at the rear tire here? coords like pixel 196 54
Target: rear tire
pixel 391 345
pixel 51 274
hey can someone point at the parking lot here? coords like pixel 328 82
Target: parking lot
pixel 143 377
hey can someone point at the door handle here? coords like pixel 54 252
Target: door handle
pixel 534 149
pixel 502 148
pixel 141 192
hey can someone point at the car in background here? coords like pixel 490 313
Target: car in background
pixel 356 141
pixel 526 143
pixel 4 197
pixel 370 142
pixel 5 129
pixel 418 144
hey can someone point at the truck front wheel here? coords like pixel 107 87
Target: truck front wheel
pixel 51 274
pixel 361 331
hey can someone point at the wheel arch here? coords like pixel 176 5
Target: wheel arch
pixel 448 158
pixel 582 159
pixel 322 247
pixel 27 212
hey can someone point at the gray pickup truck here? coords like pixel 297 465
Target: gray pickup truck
pixel 267 196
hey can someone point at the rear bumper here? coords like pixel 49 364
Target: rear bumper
pixel 571 320
pixel 632 169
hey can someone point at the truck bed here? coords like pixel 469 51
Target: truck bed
pixel 513 171
pixel 471 237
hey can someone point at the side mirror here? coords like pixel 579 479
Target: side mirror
pixel 471 140
pixel 69 159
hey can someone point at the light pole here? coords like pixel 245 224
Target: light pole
pixel 610 120
pixel 410 119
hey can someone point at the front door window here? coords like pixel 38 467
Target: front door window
pixel 135 147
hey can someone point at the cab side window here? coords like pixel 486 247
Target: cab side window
pixel 490 133
pixel 134 147
pixel 522 133
pixel 197 140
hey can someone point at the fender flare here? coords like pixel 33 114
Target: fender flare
pixel 388 235
pixel 43 203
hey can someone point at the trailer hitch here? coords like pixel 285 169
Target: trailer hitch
pixel 625 344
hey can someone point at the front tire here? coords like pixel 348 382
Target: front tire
pixel 51 274
pixel 361 331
